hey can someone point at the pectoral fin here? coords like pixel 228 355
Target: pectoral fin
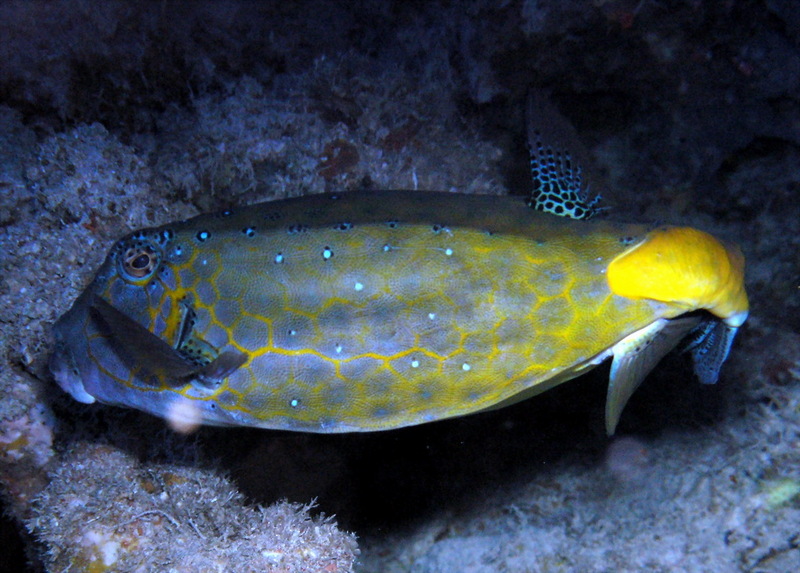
pixel 634 358
pixel 158 357
pixel 213 373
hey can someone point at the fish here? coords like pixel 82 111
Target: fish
pixel 377 309
pixel 372 310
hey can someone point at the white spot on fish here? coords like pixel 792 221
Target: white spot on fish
pixel 448 251
pixel 466 367
pixel 294 403
pixel 327 253
pixel 387 248
pixel 432 315
pixel 359 286
pixel 292 332
pixel 415 364
pixel 279 258
pixel 338 349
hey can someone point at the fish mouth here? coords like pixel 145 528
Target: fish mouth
pixel 68 371
pixel 67 375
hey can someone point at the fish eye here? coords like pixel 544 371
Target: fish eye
pixel 138 262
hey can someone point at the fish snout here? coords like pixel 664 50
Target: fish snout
pixel 67 374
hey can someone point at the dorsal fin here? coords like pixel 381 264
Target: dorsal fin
pixel 559 163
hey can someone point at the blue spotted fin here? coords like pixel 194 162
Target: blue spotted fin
pixel 560 165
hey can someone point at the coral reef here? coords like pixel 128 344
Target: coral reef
pixel 115 116
pixel 160 519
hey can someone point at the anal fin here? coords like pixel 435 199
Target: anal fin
pixel 634 358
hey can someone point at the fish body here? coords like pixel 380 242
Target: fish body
pixel 374 310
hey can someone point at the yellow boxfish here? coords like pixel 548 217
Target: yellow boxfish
pixel 372 310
